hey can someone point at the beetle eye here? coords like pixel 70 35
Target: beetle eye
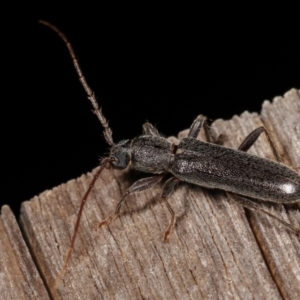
pixel 120 154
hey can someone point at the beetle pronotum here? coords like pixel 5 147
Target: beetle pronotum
pixel 206 164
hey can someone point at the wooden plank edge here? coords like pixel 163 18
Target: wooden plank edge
pixel 19 277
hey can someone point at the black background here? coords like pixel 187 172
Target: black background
pixel 166 68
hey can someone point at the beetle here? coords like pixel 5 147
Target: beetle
pixel 245 177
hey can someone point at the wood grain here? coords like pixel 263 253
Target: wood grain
pixel 19 278
pixel 217 250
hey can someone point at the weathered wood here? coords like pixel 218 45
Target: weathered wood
pixel 19 278
pixel 216 251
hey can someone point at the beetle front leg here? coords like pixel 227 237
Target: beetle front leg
pixel 167 190
pixel 138 186
pixel 200 122
pixel 148 128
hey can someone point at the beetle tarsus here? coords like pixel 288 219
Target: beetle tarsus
pixel 170 228
pixel 106 221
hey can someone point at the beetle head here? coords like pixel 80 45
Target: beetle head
pixel 120 154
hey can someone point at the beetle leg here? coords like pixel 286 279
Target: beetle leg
pixel 167 190
pixel 148 128
pixel 253 136
pixel 200 122
pixel 250 204
pixel 138 186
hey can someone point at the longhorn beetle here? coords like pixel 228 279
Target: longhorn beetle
pixel 206 164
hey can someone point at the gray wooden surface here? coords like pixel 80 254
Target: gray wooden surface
pixel 19 278
pixel 217 250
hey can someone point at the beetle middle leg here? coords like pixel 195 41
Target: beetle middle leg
pixel 138 186
pixel 167 190
pixel 199 123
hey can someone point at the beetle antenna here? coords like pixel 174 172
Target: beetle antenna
pixel 107 132
pixel 105 163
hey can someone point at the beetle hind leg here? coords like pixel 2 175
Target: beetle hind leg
pixel 251 205
pixel 253 136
